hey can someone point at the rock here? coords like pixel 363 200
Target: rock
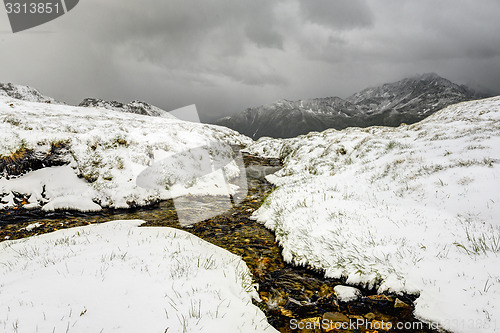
pixel 378 298
pixel 399 304
pixel 301 309
pixel 347 294
pixel 325 290
pixel 381 325
pixel 332 321
pixel 328 302
pixel 310 325
pixel 335 316
pixel 279 298
pixel 264 296
pixel 380 301
pixel 357 307
pixel 311 295
pixel 370 316
pixel 285 312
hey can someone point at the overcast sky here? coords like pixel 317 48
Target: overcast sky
pixel 227 55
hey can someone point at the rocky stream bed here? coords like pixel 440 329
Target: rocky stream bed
pixel 295 299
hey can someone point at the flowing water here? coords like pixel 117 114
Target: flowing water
pixel 291 297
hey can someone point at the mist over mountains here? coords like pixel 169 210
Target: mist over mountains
pixel 406 101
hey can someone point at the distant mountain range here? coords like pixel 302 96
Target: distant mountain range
pixel 30 94
pixel 406 101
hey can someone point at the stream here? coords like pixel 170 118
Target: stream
pixel 289 294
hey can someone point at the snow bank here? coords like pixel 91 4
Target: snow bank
pixel 414 209
pixel 61 184
pixel 104 151
pixel 116 277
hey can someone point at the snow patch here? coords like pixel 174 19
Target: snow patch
pixel 32 226
pixel 346 293
pixel 116 277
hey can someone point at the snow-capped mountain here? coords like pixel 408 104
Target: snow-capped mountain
pixel 405 101
pixel 137 107
pixel 25 93
pixel 410 100
pixel 284 119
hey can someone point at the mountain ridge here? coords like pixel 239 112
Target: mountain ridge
pixel 136 106
pixel 25 93
pixel 406 101
pixel 30 94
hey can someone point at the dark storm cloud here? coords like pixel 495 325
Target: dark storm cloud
pixel 177 32
pixel 406 31
pixel 226 55
pixel 339 14
pixel 261 29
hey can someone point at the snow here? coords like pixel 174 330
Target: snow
pixel 32 226
pixel 106 150
pixel 411 209
pixel 346 293
pixel 60 184
pixel 25 93
pixel 117 277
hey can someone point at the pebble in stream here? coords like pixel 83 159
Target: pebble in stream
pixel 294 299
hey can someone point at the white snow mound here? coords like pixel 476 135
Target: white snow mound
pixel 105 151
pixel 116 277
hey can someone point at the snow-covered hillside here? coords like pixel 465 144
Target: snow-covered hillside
pixel 89 158
pixel 116 277
pixel 138 107
pixel 408 209
pixel 24 93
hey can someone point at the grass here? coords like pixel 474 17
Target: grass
pixel 483 243
pixel 17 156
pixel 120 140
pixel 12 120
pixel 478 240
pixel 391 145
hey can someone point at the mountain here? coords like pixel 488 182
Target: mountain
pixel 25 93
pixel 137 107
pixel 284 119
pixel 412 99
pixel 405 101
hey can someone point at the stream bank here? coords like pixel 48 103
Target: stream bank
pixel 294 299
